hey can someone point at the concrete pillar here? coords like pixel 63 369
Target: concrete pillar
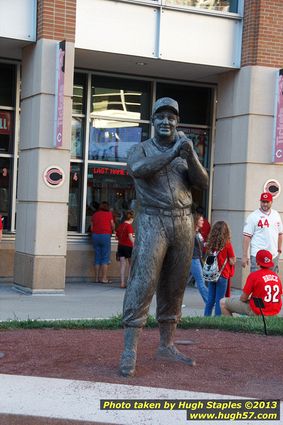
pixel 243 150
pixel 42 211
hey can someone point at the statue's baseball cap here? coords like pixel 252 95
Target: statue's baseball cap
pixel 264 258
pixel 166 102
pixel 266 196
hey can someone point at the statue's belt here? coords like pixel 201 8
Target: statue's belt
pixel 176 212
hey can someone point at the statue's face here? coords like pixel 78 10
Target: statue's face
pixel 165 123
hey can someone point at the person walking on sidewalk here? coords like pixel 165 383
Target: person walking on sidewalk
pixel 205 229
pixel 196 264
pixel 262 230
pixel 125 236
pixel 263 283
pixel 163 168
pixel 102 226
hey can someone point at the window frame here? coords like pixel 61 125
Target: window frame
pixel 85 161
pixel 14 156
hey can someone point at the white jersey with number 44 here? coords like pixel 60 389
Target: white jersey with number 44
pixel 264 230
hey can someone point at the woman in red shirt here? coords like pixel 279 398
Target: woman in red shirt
pixel 219 240
pixel 125 238
pixel 102 226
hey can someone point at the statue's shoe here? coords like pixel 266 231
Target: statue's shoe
pixel 172 353
pixel 128 363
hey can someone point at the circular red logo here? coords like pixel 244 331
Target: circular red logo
pixel 54 176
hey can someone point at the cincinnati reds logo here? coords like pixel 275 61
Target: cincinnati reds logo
pixel 54 176
pixel 272 186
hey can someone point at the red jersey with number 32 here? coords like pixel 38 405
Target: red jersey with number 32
pixel 265 284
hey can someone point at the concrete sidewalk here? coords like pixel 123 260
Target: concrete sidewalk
pixel 81 301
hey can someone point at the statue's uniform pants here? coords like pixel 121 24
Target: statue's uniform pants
pixel 160 262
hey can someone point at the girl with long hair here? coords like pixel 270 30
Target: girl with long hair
pixel 219 241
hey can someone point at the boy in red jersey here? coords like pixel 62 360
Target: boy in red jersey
pixel 263 283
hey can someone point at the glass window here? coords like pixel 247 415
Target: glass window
pixel 219 5
pixel 5 190
pixel 118 118
pixel 117 107
pixel 111 140
pixel 200 139
pixel 119 98
pixel 110 183
pixel 79 97
pixel 77 137
pixel 75 196
pixel 7 84
pixel 194 102
pixel 78 119
pixel 7 138
pixel 6 132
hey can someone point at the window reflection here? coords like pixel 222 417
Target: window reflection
pixel 117 103
pixel 5 191
pixel 78 118
pixel 117 108
pixel 6 132
pixel 112 184
pixel 111 141
pixel 119 98
pixel 77 137
pixel 200 139
pixel 219 5
pixel 194 102
pixel 75 193
pixel 7 84
pixel 79 94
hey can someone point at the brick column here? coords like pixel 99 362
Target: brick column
pixel 262 33
pixel 42 211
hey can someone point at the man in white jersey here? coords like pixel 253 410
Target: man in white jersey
pixel 262 230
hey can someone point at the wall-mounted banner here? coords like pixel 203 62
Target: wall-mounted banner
pixel 5 122
pixel 54 176
pixel 273 187
pixel 278 120
pixel 59 94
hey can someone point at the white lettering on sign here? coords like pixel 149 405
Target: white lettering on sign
pixel 5 122
pixel 59 94
pixel 278 120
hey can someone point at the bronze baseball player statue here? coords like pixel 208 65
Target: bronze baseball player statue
pixel 164 169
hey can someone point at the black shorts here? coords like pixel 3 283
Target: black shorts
pixel 125 251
